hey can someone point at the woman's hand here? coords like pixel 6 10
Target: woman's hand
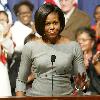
pixel 96 57
pixel 80 82
pixel 87 59
pixel 96 62
pixel 20 93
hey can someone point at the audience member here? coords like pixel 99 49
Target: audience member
pixel 87 40
pixel 21 28
pixel 6 42
pixel 6 48
pixel 4 7
pixel 74 18
pixel 96 27
pixel 45 54
pixel 24 25
pixel 11 3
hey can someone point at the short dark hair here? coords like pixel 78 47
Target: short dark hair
pixel 42 13
pixel 91 32
pixel 18 5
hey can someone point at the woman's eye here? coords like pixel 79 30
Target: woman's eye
pixel 55 23
pixel 47 24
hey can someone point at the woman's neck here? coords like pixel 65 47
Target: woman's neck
pixel 88 54
pixel 51 41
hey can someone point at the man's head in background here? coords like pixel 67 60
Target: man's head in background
pixel 66 5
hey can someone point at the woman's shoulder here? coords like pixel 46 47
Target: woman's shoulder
pixel 30 46
pixel 34 42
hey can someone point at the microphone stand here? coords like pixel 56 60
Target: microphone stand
pixel 53 57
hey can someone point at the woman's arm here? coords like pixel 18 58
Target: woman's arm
pixel 81 79
pixel 96 62
pixel 24 71
pixel 78 62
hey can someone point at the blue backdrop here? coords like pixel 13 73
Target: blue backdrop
pixel 88 6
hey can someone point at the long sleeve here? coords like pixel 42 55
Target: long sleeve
pixel 78 60
pixel 24 69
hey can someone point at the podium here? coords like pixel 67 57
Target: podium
pixel 97 97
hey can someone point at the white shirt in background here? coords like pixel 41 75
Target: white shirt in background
pixel 5 88
pixel 19 31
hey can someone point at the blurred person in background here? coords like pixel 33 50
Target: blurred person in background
pixel 74 18
pixel 87 40
pixel 24 24
pixel 21 28
pixel 4 7
pixel 6 42
pixel 96 27
pixel 6 50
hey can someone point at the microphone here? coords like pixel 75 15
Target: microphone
pixel 53 57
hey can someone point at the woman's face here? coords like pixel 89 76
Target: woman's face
pixel 3 17
pixel 52 26
pixel 25 14
pixel 5 27
pixel 4 24
pixel 97 14
pixel 85 41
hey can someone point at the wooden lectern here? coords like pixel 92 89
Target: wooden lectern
pixel 97 97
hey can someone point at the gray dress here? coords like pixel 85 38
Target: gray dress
pixel 50 80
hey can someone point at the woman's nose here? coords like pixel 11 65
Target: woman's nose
pixel 51 26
